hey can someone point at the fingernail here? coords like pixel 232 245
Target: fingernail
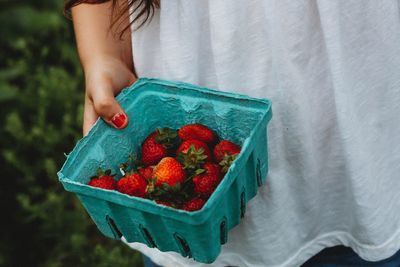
pixel 119 120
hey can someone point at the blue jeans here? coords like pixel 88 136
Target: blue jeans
pixel 339 256
pixel 148 263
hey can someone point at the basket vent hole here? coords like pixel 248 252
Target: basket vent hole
pixel 185 249
pixel 223 231
pixel 117 233
pixel 258 173
pixel 147 237
pixel 242 203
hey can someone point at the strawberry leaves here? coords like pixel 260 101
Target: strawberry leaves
pixel 131 165
pixel 167 137
pixel 227 161
pixel 174 195
pixel 192 159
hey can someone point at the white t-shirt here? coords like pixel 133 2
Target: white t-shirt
pixel 332 72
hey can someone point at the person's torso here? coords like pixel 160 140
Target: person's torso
pixel 332 71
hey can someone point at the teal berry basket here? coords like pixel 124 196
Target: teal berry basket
pixel 152 103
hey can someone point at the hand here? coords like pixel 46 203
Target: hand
pixel 105 78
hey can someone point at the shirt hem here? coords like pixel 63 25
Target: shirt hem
pixel 365 251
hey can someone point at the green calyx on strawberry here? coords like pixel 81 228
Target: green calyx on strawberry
pixel 206 182
pixel 197 131
pixel 192 154
pixel 172 196
pixel 167 137
pixel 226 162
pixel 157 145
pixel 163 192
pixel 103 179
pixel 132 184
pixel 131 165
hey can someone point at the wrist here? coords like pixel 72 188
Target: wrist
pixel 102 62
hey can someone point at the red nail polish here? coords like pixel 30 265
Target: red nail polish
pixel 119 120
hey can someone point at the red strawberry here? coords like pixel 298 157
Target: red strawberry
pixel 205 183
pixel 156 145
pixel 152 152
pixel 194 204
pixel 184 148
pixel 225 148
pixel 103 180
pixel 168 171
pixel 132 184
pixel 212 169
pixel 196 131
pixel 147 172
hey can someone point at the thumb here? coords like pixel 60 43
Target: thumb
pixel 109 109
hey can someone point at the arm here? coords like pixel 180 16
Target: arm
pixel 106 60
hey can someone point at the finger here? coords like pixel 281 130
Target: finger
pixel 108 108
pixel 89 115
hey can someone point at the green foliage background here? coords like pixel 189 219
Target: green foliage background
pixel 41 100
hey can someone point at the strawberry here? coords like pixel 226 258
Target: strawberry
pixel 225 148
pixel 152 152
pixel 132 184
pixel 168 171
pixel 156 145
pixel 146 172
pixel 206 182
pixel 212 169
pixel 196 131
pixel 193 204
pixel 103 180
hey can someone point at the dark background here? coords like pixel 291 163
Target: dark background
pixel 41 103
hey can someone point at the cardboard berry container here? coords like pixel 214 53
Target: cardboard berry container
pixel 152 103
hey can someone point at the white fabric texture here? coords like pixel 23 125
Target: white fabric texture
pixel 332 72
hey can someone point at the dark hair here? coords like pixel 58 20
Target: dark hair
pixel 143 11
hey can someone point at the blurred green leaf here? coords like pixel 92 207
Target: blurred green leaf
pixel 41 93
